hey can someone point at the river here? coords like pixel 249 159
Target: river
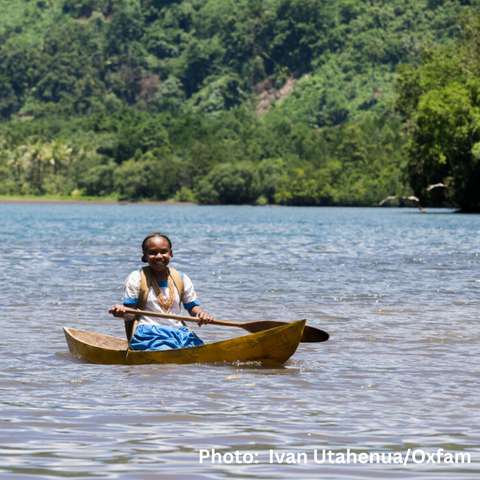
pixel 397 290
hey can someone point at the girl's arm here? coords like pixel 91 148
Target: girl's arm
pixel 203 317
pixel 119 311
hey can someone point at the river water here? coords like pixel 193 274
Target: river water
pixel 397 290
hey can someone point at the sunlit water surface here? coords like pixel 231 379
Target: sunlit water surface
pixel 397 290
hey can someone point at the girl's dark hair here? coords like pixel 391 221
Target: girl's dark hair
pixel 148 237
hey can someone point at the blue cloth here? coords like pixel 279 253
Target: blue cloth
pixel 130 301
pixel 190 305
pixel 163 337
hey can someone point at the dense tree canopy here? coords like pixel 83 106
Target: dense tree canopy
pixel 232 101
pixel 441 104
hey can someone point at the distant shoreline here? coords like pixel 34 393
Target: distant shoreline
pixel 49 201
pixel 171 203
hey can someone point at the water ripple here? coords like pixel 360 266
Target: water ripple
pixel 397 290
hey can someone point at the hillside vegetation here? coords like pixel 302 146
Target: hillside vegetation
pixel 216 101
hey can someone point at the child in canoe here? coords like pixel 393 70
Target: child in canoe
pixel 156 288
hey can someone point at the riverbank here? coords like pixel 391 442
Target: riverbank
pixel 91 201
pixel 102 201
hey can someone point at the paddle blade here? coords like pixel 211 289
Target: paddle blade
pixel 310 334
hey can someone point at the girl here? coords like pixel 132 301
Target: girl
pixel 158 288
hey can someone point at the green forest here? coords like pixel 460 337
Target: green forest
pixel 290 102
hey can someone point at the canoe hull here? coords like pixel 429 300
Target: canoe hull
pixel 273 346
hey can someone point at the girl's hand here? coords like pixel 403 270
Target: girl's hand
pixel 204 318
pixel 118 311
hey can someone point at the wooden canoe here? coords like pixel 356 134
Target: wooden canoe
pixel 273 346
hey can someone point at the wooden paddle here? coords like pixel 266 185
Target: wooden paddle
pixel 310 334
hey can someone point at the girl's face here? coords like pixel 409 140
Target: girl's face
pixel 158 254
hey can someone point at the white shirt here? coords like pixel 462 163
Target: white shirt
pixel 132 287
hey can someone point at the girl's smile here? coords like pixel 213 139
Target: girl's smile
pixel 159 254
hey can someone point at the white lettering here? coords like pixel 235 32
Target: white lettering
pixel 397 457
pixel 448 458
pixel 291 458
pixel 204 454
pixel 301 457
pixel 363 458
pixel 216 456
pixel 376 455
pixel 463 455
pixel 418 456
pixel 351 456
pixel 279 458
pixel 288 457
pixel 315 456
pixel 439 454
pixel 414 456
pixel 387 459
pixel 431 457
